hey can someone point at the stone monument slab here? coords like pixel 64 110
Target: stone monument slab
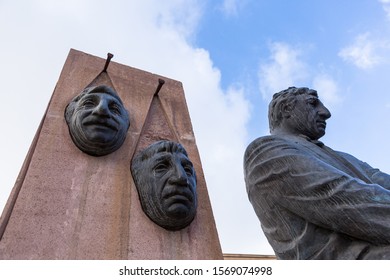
pixel 67 204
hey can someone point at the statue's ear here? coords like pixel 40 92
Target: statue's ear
pixel 286 109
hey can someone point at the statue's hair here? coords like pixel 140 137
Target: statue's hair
pixel 282 98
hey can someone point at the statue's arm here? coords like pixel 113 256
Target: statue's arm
pixel 318 192
pixel 377 176
pixel 381 178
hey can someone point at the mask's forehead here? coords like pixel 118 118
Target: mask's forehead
pixel 165 155
pixel 160 156
pixel 100 95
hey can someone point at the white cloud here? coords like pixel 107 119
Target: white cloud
pixel 231 8
pixel 386 7
pixel 327 89
pixel 363 53
pixel 285 69
pixel 151 35
pixel 181 16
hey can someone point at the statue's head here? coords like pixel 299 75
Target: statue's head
pixel 298 111
pixel 166 182
pixel 97 120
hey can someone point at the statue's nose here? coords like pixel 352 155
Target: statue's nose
pixel 324 112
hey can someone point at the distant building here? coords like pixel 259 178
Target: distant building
pixel 248 257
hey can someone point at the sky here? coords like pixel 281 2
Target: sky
pixel 231 56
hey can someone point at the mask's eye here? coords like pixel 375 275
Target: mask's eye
pixel 115 108
pixel 88 103
pixel 188 169
pixel 187 166
pixel 161 167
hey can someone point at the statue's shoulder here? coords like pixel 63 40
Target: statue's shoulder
pixel 264 142
pixel 268 140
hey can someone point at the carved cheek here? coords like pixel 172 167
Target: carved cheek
pixel 158 183
pixel 193 184
pixel 120 122
pixel 81 114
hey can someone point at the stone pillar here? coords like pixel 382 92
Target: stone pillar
pixel 67 204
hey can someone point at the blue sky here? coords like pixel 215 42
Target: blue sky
pixel 341 44
pixel 231 57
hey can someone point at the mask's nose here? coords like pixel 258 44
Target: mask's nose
pixel 102 109
pixel 180 175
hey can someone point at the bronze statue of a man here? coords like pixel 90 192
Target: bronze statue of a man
pixel 314 202
pixel 97 120
pixel 166 182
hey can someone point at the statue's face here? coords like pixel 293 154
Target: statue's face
pixel 168 189
pixel 99 123
pixel 173 180
pixel 307 117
